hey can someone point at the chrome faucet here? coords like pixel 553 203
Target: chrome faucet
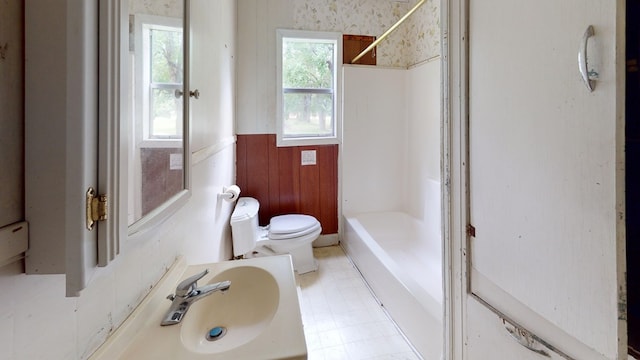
pixel 188 292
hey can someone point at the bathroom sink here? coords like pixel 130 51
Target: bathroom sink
pixel 258 317
pixel 244 311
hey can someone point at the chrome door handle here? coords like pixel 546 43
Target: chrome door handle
pixel 582 59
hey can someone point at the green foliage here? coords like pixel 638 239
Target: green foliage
pixel 166 56
pixel 307 64
pixel 166 68
pixel 166 113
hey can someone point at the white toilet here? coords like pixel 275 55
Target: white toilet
pixel 285 234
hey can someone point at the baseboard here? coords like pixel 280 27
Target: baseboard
pixel 326 240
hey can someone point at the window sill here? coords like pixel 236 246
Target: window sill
pixel 281 142
pixel 160 143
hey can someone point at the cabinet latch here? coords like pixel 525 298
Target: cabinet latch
pixel 96 208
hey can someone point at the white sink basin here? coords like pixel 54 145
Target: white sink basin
pixel 259 313
pixel 244 311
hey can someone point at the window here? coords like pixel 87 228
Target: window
pixel 308 78
pixel 161 77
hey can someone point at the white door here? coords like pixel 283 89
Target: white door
pixel 546 171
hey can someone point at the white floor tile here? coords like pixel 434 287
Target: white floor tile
pixel 342 319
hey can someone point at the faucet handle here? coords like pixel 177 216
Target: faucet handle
pixel 187 285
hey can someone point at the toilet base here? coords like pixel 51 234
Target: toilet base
pixel 303 260
pixel 302 257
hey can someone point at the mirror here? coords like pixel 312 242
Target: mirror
pixel 154 122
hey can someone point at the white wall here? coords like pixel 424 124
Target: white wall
pixel 424 153
pixel 416 40
pixel 37 321
pixel 213 68
pixel 391 147
pixel 256 75
pixel 375 140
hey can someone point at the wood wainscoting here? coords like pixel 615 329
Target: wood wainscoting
pixel 159 181
pixel 274 175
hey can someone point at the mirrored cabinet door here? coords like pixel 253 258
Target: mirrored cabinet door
pixel 154 120
pixel 144 117
pixel 143 131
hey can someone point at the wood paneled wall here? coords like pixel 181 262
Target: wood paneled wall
pixel 352 46
pixel 274 175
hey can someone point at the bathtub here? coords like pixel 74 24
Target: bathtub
pixel 402 265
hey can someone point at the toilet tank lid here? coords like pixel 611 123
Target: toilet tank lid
pixel 246 207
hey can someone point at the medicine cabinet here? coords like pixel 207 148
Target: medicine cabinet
pixel 102 116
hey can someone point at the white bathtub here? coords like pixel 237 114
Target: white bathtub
pixel 403 267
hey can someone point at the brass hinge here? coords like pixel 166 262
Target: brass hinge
pixel 96 208
pixel 471 230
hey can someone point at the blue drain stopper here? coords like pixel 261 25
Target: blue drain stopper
pixel 216 331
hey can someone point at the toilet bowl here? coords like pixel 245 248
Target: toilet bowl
pixel 285 234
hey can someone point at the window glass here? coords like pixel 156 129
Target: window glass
pixel 165 81
pixel 307 114
pixel 308 93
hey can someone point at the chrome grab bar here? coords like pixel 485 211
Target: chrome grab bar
pixel 582 60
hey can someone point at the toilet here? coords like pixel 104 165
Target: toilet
pixel 285 234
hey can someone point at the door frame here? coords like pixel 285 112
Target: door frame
pixel 455 209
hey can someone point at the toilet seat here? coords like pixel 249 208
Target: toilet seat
pixel 285 224
pixel 303 261
pixel 286 227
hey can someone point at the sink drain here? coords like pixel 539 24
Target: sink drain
pixel 216 333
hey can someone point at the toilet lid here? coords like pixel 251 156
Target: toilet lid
pixel 288 226
pixel 296 235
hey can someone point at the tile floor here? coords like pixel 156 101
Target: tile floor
pixel 342 319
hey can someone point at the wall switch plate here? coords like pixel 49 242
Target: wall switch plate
pixel 308 157
pixel 175 161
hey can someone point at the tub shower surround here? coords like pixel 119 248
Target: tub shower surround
pixel 417 40
pixel 391 227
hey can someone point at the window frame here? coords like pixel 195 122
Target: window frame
pixel 336 138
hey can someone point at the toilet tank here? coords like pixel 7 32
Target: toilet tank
pixel 244 225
